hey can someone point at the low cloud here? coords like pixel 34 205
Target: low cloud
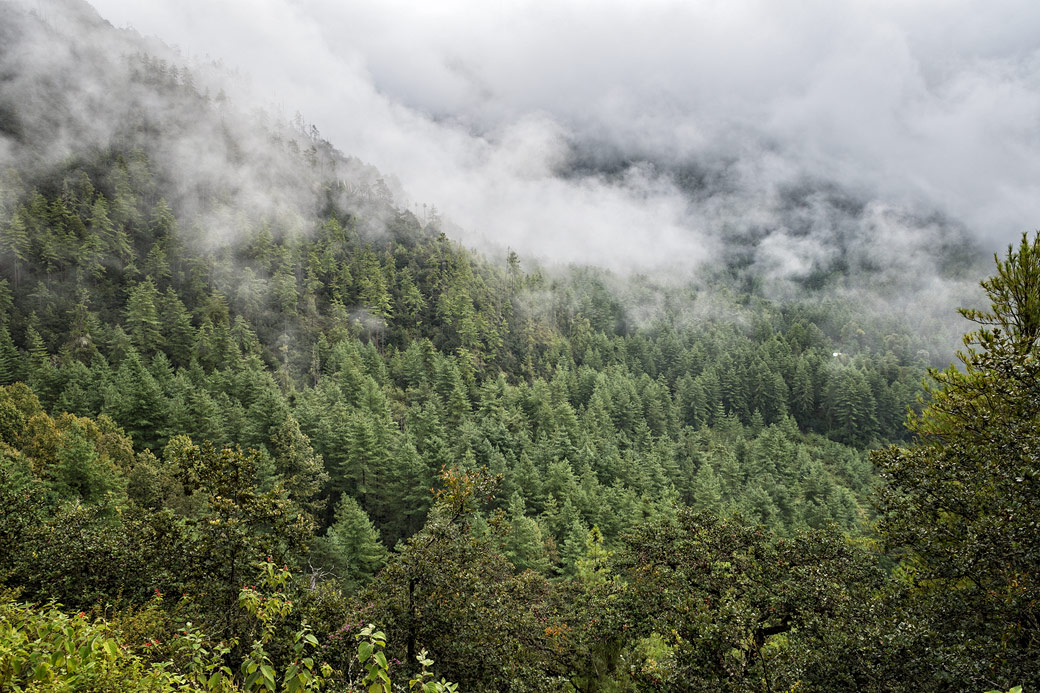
pixel 663 137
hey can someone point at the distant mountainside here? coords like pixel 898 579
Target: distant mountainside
pixel 229 349
pixel 159 246
pixel 186 268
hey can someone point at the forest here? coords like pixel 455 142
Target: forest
pixel 300 439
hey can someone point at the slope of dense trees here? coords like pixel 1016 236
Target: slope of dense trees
pixel 683 599
pixel 440 359
pixel 268 371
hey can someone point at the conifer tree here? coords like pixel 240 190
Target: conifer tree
pixel 142 318
pixel 136 402
pixel 10 361
pixel 960 505
pixel 300 470
pixel 15 243
pixel 40 373
pixel 574 549
pixel 351 546
pixel 79 474
pixel 707 490
pixel 523 545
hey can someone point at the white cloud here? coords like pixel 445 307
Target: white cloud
pixel 927 105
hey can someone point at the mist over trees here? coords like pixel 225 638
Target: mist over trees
pixel 238 366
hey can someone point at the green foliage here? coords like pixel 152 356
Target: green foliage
pixel 371 656
pixel 729 603
pixel 193 406
pixel 351 546
pixel 527 374
pixel 232 521
pixel 448 580
pixel 270 606
pixel 45 649
pixel 426 682
pixel 960 506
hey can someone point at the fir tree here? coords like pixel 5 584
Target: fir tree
pixel 351 546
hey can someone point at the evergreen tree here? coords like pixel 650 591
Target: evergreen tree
pixel 40 373
pixel 351 546
pixel 850 406
pixel 300 470
pixel 707 490
pixel 79 473
pixel 15 243
pixel 574 549
pixel 960 505
pixel 136 402
pixel 142 318
pixel 523 544
pixel 10 361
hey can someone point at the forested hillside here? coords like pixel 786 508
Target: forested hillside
pixel 227 348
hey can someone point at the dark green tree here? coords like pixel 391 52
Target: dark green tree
pixel 351 547
pixel 726 606
pixel 523 544
pixel 143 325
pixel 136 402
pixel 960 506
pixel 232 523
pixel 447 580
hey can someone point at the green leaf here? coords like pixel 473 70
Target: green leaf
pixel 364 651
pixel 112 649
pixel 268 673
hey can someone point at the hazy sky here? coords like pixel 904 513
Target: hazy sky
pixel 914 105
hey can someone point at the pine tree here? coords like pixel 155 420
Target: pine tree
pixel 529 482
pixel 574 549
pixel 112 237
pixel 594 567
pixel 163 225
pixel 79 473
pixel 351 546
pixel 850 406
pixel 10 361
pixel 523 544
pixel 802 394
pixel 40 373
pixel 15 242
pixel 299 468
pixel 707 489
pixel 178 330
pixel 142 318
pixel 407 492
pixel 136 402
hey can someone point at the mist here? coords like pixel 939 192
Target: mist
pixel 870 141
pixel 926 106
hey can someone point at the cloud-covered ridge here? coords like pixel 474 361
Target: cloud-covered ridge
pixel 671 138
pixel 474 106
